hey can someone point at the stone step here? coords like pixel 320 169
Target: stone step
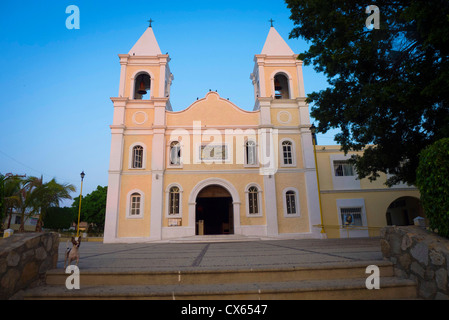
pixel 341 289
pixel 341 270
pixel 214 239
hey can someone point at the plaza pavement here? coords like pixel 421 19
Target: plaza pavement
pixel 211 255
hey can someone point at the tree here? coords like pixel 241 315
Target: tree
pixel 29 196
pixel 48 195
pixel 93 207
pixel 58 218
pixel 389 87
pixel 26 199
pixel 433 183
pixel 10 195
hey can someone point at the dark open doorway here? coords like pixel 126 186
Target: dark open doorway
pixel 214 211
pixel 402 211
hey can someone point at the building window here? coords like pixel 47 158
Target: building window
pixel 351 216
pixel 287 152
pixel 250 153
pixel 342 168
pixel 253 200
pixel 135 205
pixel 174 200
pixel 137 157
pixel 290 198
pixel 175 153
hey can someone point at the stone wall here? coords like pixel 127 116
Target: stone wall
pixel 24 260
pixel 419 255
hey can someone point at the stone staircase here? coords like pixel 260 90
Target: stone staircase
pixel 325 281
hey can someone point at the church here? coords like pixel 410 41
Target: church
pixel 216 169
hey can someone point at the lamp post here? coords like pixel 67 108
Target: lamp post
pixel 313 131
pixel 79 209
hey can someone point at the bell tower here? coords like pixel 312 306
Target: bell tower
pixel 138 127
pixel 281 100
pixel 145 71
pixel 277 71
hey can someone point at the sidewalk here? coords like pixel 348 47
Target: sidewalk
pixel 223 255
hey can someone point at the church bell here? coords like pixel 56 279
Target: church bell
pixel 142 88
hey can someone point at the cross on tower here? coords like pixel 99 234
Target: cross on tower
pixel 271 20
pixel 150 21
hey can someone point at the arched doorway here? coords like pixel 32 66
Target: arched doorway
pixel 214 212
pixel 403 210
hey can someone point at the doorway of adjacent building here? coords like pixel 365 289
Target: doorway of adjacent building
pixel 402 211
pixel 214 211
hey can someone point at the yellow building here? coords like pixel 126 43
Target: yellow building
pixel 214 168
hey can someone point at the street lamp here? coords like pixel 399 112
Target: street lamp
pixel 79 209
pixel 313 131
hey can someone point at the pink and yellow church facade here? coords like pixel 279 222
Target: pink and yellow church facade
pixel 215 168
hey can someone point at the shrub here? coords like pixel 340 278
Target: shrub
pixel 58 218
pixel 432 179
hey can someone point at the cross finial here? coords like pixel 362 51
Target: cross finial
pixel 150 21
pixel 271 20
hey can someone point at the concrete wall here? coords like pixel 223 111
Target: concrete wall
pixel 24 260
pixel 419 255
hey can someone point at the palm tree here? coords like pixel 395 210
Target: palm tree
pixel 49 194
pixel 30 196
pixel 27 199
pixel 10 195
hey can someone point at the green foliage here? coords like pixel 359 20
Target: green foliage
pixel 93 207
pixel 389 87
pixel 30 195
pixel 58 218
pixel 433 183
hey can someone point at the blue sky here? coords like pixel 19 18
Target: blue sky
pixel 57 83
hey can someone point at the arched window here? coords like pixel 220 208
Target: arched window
pixel 253 194
pixel 287 152
pixel 137 160
pixel 250 153
pixel 281 90
pixel 135 205
pixel 253 200
pixel 142 87
pixel 175 153
pixel 173 201
pixel 290 200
